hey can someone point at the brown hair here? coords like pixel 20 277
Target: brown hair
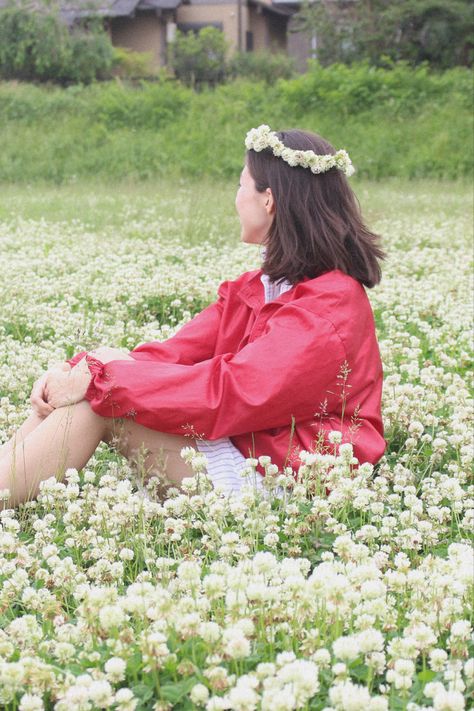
pixel 317 225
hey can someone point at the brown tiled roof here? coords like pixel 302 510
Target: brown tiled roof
pixel 73 9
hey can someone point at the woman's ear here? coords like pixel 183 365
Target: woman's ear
pixel 269 202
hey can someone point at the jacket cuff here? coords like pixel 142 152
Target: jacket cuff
pixel 76 358
pixel 96 369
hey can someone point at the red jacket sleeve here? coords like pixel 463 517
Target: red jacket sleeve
pixel 284 373
pixel 195 341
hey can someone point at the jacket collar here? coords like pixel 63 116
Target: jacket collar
pixel 252 293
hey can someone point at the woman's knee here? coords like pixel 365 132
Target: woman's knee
pixel 83 414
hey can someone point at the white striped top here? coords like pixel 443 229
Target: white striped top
pixel 224 461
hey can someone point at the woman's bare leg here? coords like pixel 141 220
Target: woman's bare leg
pixel 31 423
pixel 69 436
pixel 153 454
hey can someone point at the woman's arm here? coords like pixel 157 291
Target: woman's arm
pixel 284 373
pixel 194 342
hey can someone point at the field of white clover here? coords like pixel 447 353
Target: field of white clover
pixel 354 601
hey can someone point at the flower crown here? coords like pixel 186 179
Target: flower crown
pixel 258 139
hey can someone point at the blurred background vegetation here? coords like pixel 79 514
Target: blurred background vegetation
pixel 397 94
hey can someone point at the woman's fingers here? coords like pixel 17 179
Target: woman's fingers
pixel 38 398
pixel 66 388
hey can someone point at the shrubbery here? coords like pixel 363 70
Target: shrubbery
pixel 261 66
pixel 38 46
pixel 394 122
pixel 199 58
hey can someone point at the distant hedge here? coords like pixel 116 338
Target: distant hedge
pixel 394 122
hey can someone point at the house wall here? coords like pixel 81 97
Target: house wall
pixel 301 46
pixel 268 29
pixel 277 38
pixel 257 25
pixel 226 13
pixel 143 33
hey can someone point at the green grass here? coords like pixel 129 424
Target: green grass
pixel 404 122
pixel 199 205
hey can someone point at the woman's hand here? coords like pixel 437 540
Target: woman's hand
pixel 64 388
pixel 61 385
pixel 38 397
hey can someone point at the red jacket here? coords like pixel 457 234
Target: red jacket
pixel 266 375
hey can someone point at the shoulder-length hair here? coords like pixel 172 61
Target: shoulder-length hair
pixel 317 225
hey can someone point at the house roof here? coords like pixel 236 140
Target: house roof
pixel 71 10
pixel 113 8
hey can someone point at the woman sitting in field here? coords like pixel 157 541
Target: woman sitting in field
pixel 285 355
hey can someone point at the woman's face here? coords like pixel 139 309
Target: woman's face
pixel 255 210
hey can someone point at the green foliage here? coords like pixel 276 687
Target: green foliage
pixel 149 105
pixel 361 87
pixel 199 58
pixel 394 122
pixel 416 31
pixel 261 66
pixel 37 46
pixel 128 64
pixel 33 45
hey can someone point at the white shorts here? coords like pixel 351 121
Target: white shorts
pixel 225 464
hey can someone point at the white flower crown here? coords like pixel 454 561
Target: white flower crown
pixel 258 139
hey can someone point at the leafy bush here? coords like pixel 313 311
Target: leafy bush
pixel 128 64
pixel 394 122
pixel 199 58
pixel 361 87
pixel 261 66
pixel 415 31
pixel 37 46
pixel 148 105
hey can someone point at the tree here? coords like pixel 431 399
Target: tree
pixel 416 31
pixel 199 58
pixel 36 45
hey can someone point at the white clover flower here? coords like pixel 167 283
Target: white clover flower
pixel 461 629
pixel 339 669
pixel 265 669
pixel 271 539
pixel 115 669
pixel 235 644
pixel 346 648
pixel 346 451
pixel 437 659
pixel 370 640
pixel 469 669
pixel 322 657
pixel 111 616
pixel 243 698
pixel 199 694
pixel 125 700
pixel 100 693
pixel 349 697
pixel 278 699
pixel 302 675
pixel 404 667
pixel 209 631
pixel 285 658
pixel 217 703
pixel 31 702
pixel 448 701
